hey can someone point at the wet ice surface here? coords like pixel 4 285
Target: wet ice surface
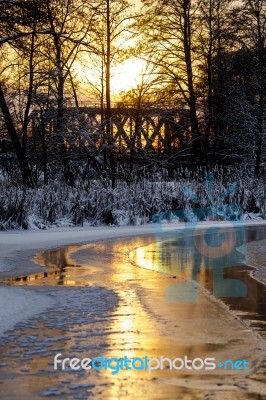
pixel 73 326
pixel 257 258
pixel 122 311
pixel 14 302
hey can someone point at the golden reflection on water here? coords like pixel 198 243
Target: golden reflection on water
pixel 60 270
pixel 161 258
pixel 201 258
pixel 172 259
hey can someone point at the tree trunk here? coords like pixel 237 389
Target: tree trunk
pixel 22 160
pixel 29 98
pixel 68 174
pixel 108 95
pixel 261 58
pixel 196 136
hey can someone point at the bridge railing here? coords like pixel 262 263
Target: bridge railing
pixel 70 103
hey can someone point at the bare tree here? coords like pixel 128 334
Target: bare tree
pixel 172 29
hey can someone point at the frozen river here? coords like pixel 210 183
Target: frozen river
pixel 121 297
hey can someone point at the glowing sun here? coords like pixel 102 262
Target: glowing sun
pixel 127 75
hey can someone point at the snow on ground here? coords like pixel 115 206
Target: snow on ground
pixel 17 304
pixel 257 259
pixel 18 247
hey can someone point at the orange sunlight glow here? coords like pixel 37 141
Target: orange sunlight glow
pixel 127 75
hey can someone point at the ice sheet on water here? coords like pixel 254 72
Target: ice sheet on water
pixel 17 304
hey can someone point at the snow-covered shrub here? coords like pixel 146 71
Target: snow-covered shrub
pixel 223 196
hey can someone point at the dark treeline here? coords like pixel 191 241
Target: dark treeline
pixel 200 102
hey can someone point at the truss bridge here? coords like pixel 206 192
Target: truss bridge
pixel 159 128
